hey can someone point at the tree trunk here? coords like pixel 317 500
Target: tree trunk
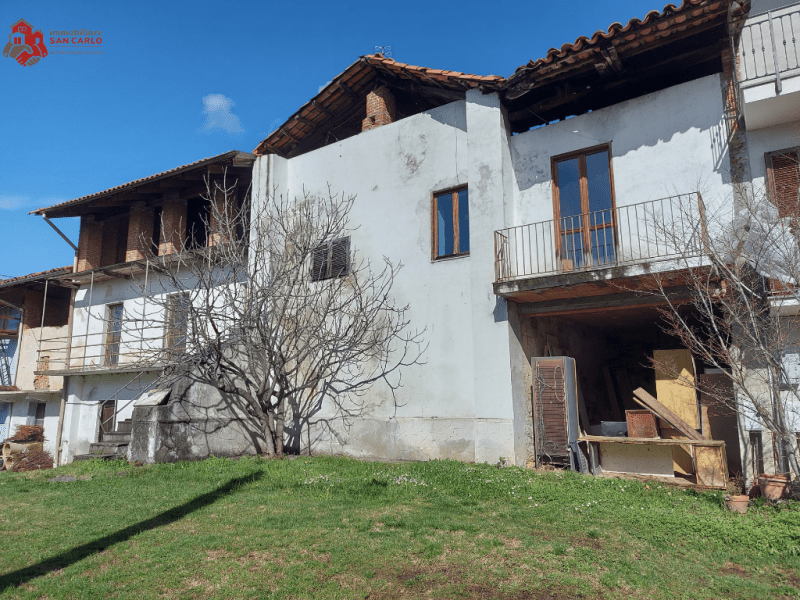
pixel 269 436
pixel 280 415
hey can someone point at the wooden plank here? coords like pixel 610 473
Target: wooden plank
pixel 601 439
pixel 583 415
pixel 711 467
pixel 674 393
pixel 651 404
pixel 612 395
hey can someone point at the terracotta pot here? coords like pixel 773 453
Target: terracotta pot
pixel 737 503
pixel 773 487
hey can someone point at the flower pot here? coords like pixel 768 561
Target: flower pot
pixel 773 487
pixel 737 503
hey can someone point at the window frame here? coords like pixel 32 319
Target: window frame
pixel 453 191
pixel 171 331
pixel 328 247
pixel 586 228
pixel 112 358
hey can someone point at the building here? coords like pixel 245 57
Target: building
pixel 529 213
pixel 32 308
pixel 115 351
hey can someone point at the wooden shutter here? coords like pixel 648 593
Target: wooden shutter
pixel 331 260
pixel 319 263
pixel 340 257
pixel 783 172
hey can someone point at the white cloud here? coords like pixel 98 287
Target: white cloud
pixel 217 109
pixel 13 202
pixel 323 86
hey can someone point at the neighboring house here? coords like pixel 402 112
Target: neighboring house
pixel 766 40
pixel 111 355
pixel 33 308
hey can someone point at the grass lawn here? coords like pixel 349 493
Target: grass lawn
pixel 339 528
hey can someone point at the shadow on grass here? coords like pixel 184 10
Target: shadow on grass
pixel 78 553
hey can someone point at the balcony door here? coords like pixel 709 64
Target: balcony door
pixel 583 204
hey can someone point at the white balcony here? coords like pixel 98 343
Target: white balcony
pixel 768 59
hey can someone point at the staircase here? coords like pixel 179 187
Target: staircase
pixel 113 446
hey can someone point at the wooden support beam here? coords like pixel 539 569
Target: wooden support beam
pixel 305 121
pixel 347 90
pixel 662 412
pixel 322 109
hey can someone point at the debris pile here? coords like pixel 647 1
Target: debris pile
pixel 24 450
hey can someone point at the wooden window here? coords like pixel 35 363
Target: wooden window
pixel 450 223
pixel 177 323
pixel 783 179
pixel 331 259
pixel 583 205
pixel 9 321
pixel 113 333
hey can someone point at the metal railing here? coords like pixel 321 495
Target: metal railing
pixel 657 229
pixel 130 351
pixel 769 46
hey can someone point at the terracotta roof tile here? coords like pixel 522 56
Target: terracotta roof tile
pixel 35 276
pixel 654 21
pixel 137 182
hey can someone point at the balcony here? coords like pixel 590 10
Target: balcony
pixel 767 51
pixel 635 234
pixel 128 350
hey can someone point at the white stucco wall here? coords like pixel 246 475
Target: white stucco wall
pixel 458 404
pixel 665 143
pixel 770 139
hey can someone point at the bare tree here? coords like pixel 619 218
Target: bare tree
pixel 741 313
pixel 279 314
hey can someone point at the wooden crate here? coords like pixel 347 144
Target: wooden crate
pixel 641 424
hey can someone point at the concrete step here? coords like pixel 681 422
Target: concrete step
pixel 124 426
pixel 117 437
pixel 119 449
pixel 95 456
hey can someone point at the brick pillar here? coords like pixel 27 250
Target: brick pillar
pixel 380 108
pixel 140 232
pixel 220 207
pixel 173 227
pixel 90 243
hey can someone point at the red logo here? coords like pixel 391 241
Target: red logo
pixel 25 45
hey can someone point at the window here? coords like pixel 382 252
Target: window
pixel 583 204
pixel 9 321
pixel 113 333
pixel 36 413
pixel 331 259
pixel 790 363
pixel 783 180
pixel 450 223
pixel 177 323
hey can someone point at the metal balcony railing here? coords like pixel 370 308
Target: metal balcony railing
pixel 769 46
pixel 125 350
pixel 658 229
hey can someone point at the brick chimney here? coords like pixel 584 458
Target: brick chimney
pixel 380 108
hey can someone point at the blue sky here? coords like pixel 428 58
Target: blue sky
pixel 181 81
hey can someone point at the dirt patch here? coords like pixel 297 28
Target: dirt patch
pixel 217 554
pixel 730 568
pixel 790 578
